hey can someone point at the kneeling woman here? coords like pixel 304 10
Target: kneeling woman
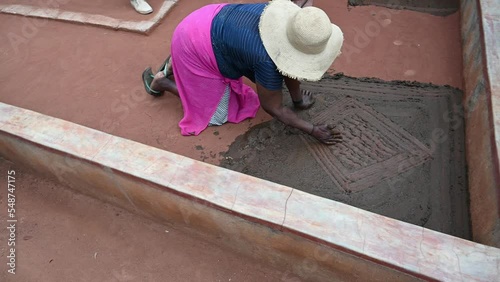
pixel 215 46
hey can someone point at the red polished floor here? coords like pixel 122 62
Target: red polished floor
pixel 91 76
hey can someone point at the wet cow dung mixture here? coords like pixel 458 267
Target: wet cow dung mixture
pixel 402 155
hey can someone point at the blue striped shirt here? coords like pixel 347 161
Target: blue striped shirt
pixel 238 47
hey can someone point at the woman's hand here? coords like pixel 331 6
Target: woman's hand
pixel 302 99
pixel 327 134
pixel 306 102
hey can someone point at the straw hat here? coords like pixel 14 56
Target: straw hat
pixel 303 43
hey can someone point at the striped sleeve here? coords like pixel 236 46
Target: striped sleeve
pixel 267 75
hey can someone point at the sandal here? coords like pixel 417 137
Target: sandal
pixel 166 66
pixel 147 79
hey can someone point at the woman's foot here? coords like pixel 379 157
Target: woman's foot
pixel 147 80
pixel 155 83
pixel 166 67
pixel 161 83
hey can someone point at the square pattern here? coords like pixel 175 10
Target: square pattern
pixel 374 148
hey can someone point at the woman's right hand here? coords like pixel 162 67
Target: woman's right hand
pixel 327 134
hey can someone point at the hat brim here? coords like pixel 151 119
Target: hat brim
pixel 290 61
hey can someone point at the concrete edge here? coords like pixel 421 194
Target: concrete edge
pixel 143 27
pixel 482 116
pixel 258 217
pixel 490 17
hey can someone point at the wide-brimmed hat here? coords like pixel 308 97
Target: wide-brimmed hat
pixel 303 43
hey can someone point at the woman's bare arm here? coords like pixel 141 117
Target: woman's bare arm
pixel 272 103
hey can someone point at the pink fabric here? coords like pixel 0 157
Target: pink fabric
pixel 200 83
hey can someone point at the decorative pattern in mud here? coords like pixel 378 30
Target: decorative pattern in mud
pixel 375 148
pixel 402 155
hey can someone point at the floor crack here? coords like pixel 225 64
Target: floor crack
pixel 101 148
pixel 458 263
pixel 286 207
pixel 421 240
pixel 236 196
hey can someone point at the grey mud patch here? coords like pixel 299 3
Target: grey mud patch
pixel 433 7
pixel 402 155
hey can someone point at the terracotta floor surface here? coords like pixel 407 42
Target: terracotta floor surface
pixel 65 236
pixel 91 76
